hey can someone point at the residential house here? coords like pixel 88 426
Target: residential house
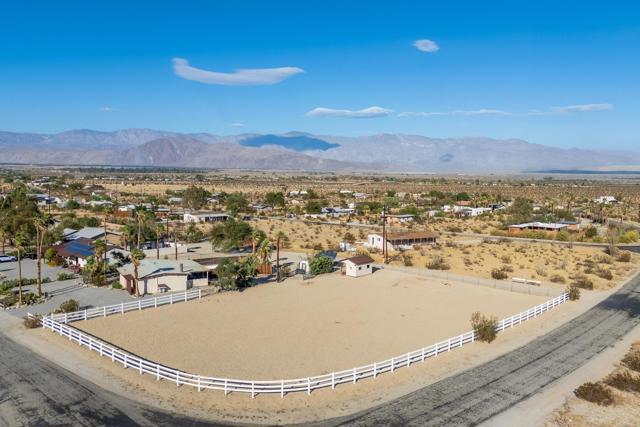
pixel 158 276
pixel 537 226
pixel 75 253
pixel 403 240
pixel 401 219
pixel 205 217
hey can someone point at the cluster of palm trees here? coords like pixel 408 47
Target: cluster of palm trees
pixel 262 248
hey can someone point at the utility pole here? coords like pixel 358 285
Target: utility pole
pixel 385 251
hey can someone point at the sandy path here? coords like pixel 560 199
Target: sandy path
pixel 297 328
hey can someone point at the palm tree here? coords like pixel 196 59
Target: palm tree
pixel 19 242
pixel 279 236
pixel 128 231
pixel 100 256
pixel 264 252
pixel 41 223
pixel 136 256
pixel 256 237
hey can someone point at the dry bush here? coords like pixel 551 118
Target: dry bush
pixel 499 274
pixel 632 360
pixel 32 322
pixel 484 326
pixel 624 256
pixel 624 381
pixel 407 260
pixel 558 278
pixel 582 282
pixel 437 263
pixel 574 292
pixel 594 393
pixel 604 273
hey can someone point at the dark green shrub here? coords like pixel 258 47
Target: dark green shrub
pixel 320 264
pixel 594 393
pixel 484 327
pixel 65 276
pixel 69 306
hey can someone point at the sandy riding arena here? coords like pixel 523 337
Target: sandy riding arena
pixel 301 328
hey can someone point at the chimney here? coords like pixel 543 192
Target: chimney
pixel 181 268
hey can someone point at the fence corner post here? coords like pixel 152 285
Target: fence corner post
pixel 281 389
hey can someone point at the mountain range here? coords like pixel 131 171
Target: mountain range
pixel 300 151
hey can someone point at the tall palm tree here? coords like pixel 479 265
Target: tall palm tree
pixel 136 256
pixel 41 223
pixel 100 256
pixel 19 242
pixel 256 237
pixel 279 237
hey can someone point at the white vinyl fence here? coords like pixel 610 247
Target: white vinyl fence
pixel 281 387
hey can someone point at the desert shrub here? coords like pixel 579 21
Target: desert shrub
pixel 69 306
pixel 540 271
pixel 65 276
pixel 454 229
pixel 437 263
pixel 594 393
pixel 506 259
pixel 591 232
pixel 624 256
pixel 574 292
pixel 116 285
pixel 32 322
pixel 558 278
pixel 597 239
pixel 407 260
pixel 632 360
pixel 624 381
pixel 630 236
pixel 582 282
pixel 317 247
pixel 604 273
pixel 484 326
pixel 499 274
pixel 562 236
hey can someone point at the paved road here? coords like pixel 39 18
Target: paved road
pixel 35 392
pixel 474 396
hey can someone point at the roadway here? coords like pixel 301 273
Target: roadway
pixel 36 392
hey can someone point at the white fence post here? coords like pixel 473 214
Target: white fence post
pixel 139 304
pixel 122 308
pixel 308 386
pixel 157 372
pixel 199 293
pixel 104 311
pixel 354 375
pixel 281 389
pixel 253 391
pixel 225 387
pixel 374 370
pixel 333 380
pixel 171 298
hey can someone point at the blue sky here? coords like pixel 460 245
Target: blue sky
pixel 557 73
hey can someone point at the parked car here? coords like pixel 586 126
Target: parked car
pixel 7 258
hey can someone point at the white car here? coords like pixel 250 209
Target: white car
pixel 7 258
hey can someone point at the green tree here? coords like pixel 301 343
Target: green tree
pixel 521 211
pixel 195 197
pixel 236 203
pixel 320 264
pixel 313 207
pixel 275 199
pixel 230 234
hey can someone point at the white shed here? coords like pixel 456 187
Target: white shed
pixel 360 265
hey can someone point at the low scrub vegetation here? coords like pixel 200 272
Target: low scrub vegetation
pixel 624 381
pixel 484 326
pixel 32 322
pixel 595 393
pixel 632 360
pixel 437 263
pixel 582 282
pixel 574 292
pixel 499 274
pixel 68 306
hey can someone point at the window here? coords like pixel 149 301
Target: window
pixel 359 268
pixel 368 265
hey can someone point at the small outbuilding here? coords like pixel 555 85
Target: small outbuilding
pixel 360 265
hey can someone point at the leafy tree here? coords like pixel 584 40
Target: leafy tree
pixel 275 199
pixel 320 264
pixel 313 207
pixel 195 197
pixel 230 234
pixel 233 275
pixel 236 203
pixel 521 211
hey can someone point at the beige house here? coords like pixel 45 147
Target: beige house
pixel 158 276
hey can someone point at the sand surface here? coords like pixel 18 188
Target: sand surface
pixel 302 328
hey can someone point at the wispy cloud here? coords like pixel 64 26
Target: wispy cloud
pixel 365 113
pixel 107 109
pixel 479 112
pixel 426 45
pixel 237 125
pixel 242 77
pixel 582 108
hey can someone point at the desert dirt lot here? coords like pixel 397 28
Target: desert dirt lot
pixel 305 328
pixel 473 256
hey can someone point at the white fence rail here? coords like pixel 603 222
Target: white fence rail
pixel 281 387
pixel 126 306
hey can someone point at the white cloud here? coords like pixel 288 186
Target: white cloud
pixel 107 109
pixel 480 112
pixel 365 113
pixel 237 125
pixel 242 77
pixel 582 108
pixel 426 45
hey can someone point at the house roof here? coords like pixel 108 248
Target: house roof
pixel 545 225
pixel 359 260
pixel 86 232
pixel 411 235
pixel 158 267
pixel 81 247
